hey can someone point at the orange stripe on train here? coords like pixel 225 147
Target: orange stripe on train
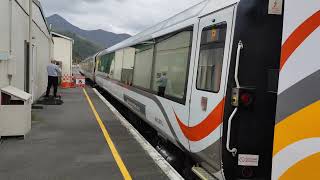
pixel 207 126
pixel 304 169
pixel 301 125
pixel 298 36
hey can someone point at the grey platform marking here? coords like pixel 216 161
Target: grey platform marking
pixel 158 159
pixel 300 95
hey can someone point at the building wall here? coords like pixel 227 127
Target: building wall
pixel 4 43
pixel 63 53
pixel 41 43
pixel 41 48
pixel 24 4
pixel 20 35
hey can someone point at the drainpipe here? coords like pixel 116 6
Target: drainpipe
pixel 10 42
pixel 72 42
pixel 30 48
pixel 30 22
pixel 10 26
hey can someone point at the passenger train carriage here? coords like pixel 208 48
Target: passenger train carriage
pixel 206 80
pixel 88 67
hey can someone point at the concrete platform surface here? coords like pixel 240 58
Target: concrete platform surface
pixel 66 143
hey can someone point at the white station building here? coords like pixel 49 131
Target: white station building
pixel 63 52
pixel 26 48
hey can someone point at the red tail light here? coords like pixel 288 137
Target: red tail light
pixel 242 97
pixel 246 99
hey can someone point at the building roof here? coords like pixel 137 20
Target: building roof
pixel 54 34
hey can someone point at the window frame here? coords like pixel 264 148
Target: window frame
pixel 157 40
pixel 99 67
pixel 115 52
pixel 134 68
pixel 160 39
pixel 163 38
pixel 216 44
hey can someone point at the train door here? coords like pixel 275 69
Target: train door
pixel 208 88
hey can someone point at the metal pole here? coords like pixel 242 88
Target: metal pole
pixel 31 80
pixel 10 42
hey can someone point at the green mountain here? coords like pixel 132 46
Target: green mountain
pixel 86 42
pixel 98 36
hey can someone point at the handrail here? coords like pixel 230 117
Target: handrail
pixel 234 150
pixel 240 46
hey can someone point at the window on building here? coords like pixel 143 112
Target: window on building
pixel 171 64
pixel 143 66
pixel 211 58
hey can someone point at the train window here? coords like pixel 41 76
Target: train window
pixel 211 58
pixel 118 65
pixel 112 65
pixel 143 66
pixel 171 65
pixel 128 64
pixel 106 64
pixel 97 65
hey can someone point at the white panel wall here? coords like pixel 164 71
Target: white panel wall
pixel 20 33
pixel 37 17
pixel 20 28
pixel 63 52
pixel 24 4
pixel 4 36
pixel 41 48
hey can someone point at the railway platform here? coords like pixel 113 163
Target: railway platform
pixel 80 139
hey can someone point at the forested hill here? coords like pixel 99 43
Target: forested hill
pixel 87 42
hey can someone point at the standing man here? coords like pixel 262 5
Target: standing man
pixel 53 72
pixel 162 81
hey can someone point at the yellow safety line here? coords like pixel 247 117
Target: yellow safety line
pixel 116 156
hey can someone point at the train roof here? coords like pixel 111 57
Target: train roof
pixel 174 23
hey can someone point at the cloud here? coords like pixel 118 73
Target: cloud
pixel 120 16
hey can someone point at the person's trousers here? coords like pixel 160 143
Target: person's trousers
pixel 52 80
pixel 161 91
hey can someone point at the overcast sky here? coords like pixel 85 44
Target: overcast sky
pixel 119 16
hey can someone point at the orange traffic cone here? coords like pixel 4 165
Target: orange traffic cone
pixel 65 82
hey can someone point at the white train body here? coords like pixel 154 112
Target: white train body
pixel 87 67
pixel 296 150
pixel 206 80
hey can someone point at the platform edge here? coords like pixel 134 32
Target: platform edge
pixel 153 153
